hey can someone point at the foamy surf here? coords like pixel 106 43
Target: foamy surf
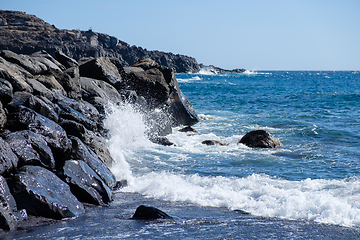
pixel 167 173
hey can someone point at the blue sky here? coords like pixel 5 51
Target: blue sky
pixel 255 35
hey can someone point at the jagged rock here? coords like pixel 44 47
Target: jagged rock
pixel 73 72
pixel 69 113
pixel 9 213
pixel 40 105
pixel 3 117
pixel 149 213
pixel 102 69
pixel 68 62
pixel 44 54
pixel 180 109
pixel 85 184
pixel 149 84
pixel 39 89
pixel 30 148
pixel 8 159
pixel 92 139
pixel 84 109
pixel 26 119
pixel 7 218
pixel 84 153
pixel 146 63
pixel 120 184
pixel 213 142
pixel 188 129
pixel 50 82
pixel 6 91
pixel 162 141
pixel 260 139
pixel 42 193
pixel 91 88
pixel 15 75
pixel 66 82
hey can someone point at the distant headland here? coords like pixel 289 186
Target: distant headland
pixel 25 34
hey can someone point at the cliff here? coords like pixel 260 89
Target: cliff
pixel 26 34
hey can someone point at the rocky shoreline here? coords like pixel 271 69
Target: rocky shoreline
pixel 52 145
pixel 55 89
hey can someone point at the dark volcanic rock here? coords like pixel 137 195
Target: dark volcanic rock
pixel 213 142
pixel 189 129
pixel 40 105
pixel 84 153
pixel 149 213
pixel 9 214
pixel 94 140
pixel 85 184
pixel 181 110
pixel 31 149
pixel 68 62
pixel 6 91
pixel 15 75
pixel 26 119
pixel 3 117
pixel 102 69
pixel 42 193
pixel 260 139
pixel 8 159
pixel 162 141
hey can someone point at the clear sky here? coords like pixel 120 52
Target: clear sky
pixel 250 34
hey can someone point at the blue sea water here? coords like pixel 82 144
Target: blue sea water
pixel 309 188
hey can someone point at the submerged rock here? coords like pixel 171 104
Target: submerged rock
pixel 149 213
pixel 42 193
pixel 189 129
pixel 214 142
pixel 260 139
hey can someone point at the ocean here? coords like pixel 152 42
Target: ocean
pixel 309 188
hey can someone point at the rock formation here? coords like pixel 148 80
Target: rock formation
pixel 53 155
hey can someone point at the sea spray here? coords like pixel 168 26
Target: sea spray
pixel 127 130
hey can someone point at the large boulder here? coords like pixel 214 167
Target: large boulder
pixel 260 139
pixel 102 69
pixel 84 153
pixel 50 82
pixel 149 84
pixel 8 159
pixel 39 89
pixel 40 105
pixel 31 149
pixel 9 213
pixel 42 193
pixel 67 61
pixel 94 140
pixel 3 117
pixel 85 184
pixel 15 75
pixel 98 92
pixel 180 109
pixel 33 65
pixel 26 119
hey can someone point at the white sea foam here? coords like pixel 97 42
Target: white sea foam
pixel 140 162
pixel 192 79
pixel 325 201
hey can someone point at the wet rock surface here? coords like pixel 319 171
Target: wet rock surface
pixel 149 213
pixel 53 151
pixel 260 139
pixel 42 193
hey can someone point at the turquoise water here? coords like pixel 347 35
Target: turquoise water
pixel 307 189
